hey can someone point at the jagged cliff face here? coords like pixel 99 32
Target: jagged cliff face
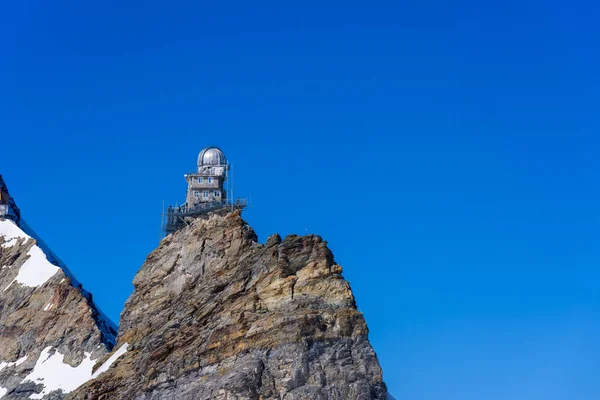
pixel 51 333
pixel 215 315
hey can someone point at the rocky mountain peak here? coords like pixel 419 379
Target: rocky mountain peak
pixel 51 333
pixel 216 315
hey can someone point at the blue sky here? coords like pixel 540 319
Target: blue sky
pixel 447 151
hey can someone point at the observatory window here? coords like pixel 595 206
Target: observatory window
pixel 196 193
pixel 210 179
pixel 216 193
pixel 200 179
pixel 205 193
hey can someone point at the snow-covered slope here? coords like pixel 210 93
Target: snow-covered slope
pixel 36 270
pixel 52 337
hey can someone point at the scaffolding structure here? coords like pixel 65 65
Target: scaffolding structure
pixel 176 218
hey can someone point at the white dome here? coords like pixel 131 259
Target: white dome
pixel 211 156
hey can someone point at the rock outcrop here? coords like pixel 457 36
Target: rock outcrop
pixel 51 333
pixel 216 315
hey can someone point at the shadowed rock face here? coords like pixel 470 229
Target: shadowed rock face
pixel 14 210
pixel 215 315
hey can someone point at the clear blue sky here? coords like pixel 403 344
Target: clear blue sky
pixel 448 151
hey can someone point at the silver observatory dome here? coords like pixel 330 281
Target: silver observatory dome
pixel 211 156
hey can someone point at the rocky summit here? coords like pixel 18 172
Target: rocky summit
pixel 216 315
pixel 51 333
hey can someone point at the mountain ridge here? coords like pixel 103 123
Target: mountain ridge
pixel 51 332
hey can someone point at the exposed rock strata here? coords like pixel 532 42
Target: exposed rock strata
pixel 215 315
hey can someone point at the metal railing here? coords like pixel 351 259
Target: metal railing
pixel 176 218
pixel 206 173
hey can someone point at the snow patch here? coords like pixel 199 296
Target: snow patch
pixel 104 367
pixel 36 270
pixel 11 232
pixel 10 243
pixel 48 306
pixel 43 264
pixel 54 374
pixel 108 328
pixel 3 391
pixel 20 361
pixel 5 364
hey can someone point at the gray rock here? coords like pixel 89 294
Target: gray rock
pixel 215 315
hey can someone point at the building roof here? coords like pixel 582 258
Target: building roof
pixel 211 156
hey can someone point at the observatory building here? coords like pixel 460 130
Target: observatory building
pixel 207 185
pixel 206 191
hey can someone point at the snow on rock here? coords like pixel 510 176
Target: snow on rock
pixel 10 243
pixel 104 367
pixel 11 232
pixel 37 269
pixel 109 328
pixel 54 374
pixel 5 364
pixel 29 291
pixel 20 361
